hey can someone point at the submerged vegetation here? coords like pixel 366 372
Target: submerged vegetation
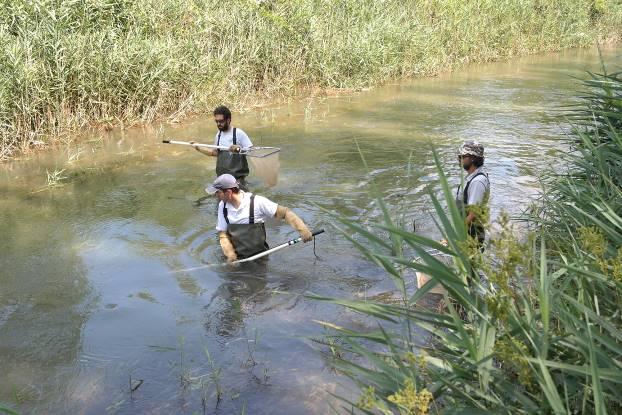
pixel 531 326
pixel 65 65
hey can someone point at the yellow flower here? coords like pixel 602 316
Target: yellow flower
pixel 416 360
pixel 593 241
pixel 514 360
pixel 411 402
pixel 368 398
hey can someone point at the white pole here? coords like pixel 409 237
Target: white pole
pixel 243 150
pixel 276 248
pixel 254 257
pixel 187 143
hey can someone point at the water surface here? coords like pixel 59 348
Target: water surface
pixel 96 238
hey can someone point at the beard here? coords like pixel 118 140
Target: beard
pixel 467 166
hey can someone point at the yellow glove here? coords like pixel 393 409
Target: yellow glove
pixel 227 246
pixel 235 148
pixel 294 221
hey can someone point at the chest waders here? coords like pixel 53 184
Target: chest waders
pixel 475 230
pixel 248 239
pixel 231 163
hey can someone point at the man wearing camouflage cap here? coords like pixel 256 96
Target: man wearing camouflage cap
pixel 473 194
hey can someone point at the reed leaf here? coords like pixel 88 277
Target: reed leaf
pixel 546 340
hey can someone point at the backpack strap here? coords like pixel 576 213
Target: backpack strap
pixel 224 213
pixel 251 211
pixel 465 195
pixel 234 137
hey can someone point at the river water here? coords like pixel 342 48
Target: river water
pixel 100 238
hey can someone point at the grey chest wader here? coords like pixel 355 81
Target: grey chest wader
pixel 248 239
pixel 231 163
pixel 475 230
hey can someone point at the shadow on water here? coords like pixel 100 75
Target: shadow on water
pixel 94 236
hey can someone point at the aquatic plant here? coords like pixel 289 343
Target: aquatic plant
pixel 529 326
pixel 55 178
pixel 106 63
pixel 6 410
pixel 215 375
pixel 251 347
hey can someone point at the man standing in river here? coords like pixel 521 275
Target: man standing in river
pixel 472 198
pixel 241 216
pixel 229 161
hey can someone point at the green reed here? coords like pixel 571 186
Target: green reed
pixel 65 65
pixel 6 410
pixel 531 326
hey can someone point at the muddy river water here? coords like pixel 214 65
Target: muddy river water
pixel 98 241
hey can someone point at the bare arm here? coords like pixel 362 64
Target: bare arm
pixel 214 151
pixel 206 151
pixel 469 219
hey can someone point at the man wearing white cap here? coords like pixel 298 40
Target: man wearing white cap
pixel 472 198
pixel 241 217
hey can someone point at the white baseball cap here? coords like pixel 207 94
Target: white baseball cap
pixel 222 182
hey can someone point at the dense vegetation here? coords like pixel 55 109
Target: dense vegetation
pixel 532 326
pixel 69 64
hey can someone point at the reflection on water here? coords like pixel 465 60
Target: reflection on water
pixel 92 283
pixel 240 292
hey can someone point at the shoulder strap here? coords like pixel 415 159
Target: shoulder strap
pixel 218 142
pixel 234 137
pixel 251 210
pixel 224 213
pixel 465 195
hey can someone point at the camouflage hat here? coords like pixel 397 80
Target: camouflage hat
pixel 471 148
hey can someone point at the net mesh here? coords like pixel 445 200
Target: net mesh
pixel 267 168
pixel 260 152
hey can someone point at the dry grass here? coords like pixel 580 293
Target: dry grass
pixel 69 65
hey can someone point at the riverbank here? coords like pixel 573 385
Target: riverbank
pixel 529 325
pixel 66 67
pixel 109 236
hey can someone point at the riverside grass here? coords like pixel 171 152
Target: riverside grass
pixel 66 65
pixel 542 333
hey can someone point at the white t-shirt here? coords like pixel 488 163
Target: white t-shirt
pixel 264 209
pixel 226 138
pixel 479 188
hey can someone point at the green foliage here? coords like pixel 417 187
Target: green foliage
pixel 410 401
pixel 529 327
pixel 6 410
pixel 582 207
pixel 68 64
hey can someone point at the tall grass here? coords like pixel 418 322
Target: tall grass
pixel 531 326
pixel 65 65
pixel 6 410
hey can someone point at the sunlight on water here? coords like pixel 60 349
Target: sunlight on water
pixel 92 234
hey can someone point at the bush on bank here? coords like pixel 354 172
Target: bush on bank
pixel 65 65
pixel 533 326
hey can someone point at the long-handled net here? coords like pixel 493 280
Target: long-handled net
pixel 264 161
pixel 267 168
